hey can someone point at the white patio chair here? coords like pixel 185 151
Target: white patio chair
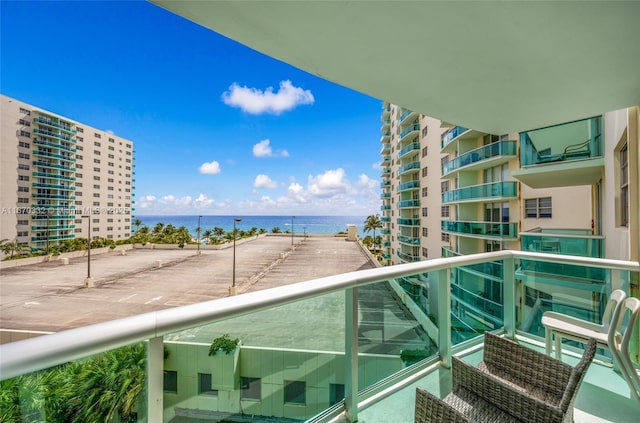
pixel 619 345
pixel 559 326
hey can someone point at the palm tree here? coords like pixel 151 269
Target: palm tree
pixel 371 224
pixel 206 235
pixel 275 230
pixel 218 232
pixel 12 247
pixel 137 223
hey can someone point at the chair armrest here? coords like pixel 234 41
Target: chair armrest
pixel 512 400
pixel 432 409
pixel 527 368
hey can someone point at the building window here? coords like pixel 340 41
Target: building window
pixel 624 186
pixel 97 161
pixel 424 149
pixel 538 207
pixel 170 381
pixel 425 212
pixel 23 222
pixel 444 237
pixel 23 178
pixel 25 111
pixel 425 191
pixel 425 231
pixel 97 136
pixel 425 172
pixel 295 392
pixel 24 155
pixel 24 144
pixel 23 201
pixel 336 393
pixel 23 166
pixel 251 388
pixel 444 211
pixel 96 152
pixel 444 161
pixel 79 129
pixel 204 385
pixel 425 252
pixel 25 134
pixel 23 189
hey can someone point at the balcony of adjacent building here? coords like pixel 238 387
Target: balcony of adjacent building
pixel 386 137
pixel 53 227
pixel 386 160
pixel 408 116
pixel 55 135
pixel 495 191
pixel 385 196
pixel 409 133
pixel 408 257
pixel 50 165
pixel 353 371
pixel 386 172
pixel 409 169
pixel 409 240
pixel 53 176
pixel 447 144
pixel 385 184
pixel 408 221
pixel 563 155
pixel 488 230
pixel 409 204
pixel 385 207
pixel 386 148
pixel 385 219
pixel 409 186
pixel 42 153
pixel 571 242
pixel 411 148
pixel 62 187
pixel 386 110
pixel 41 195
pixel 489 155
pixel 386 123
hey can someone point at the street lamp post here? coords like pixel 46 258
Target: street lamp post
pixel 234 289
pixel 292 231
pixel 88 282
pixel 199 217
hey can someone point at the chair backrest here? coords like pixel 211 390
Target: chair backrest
pixel 632 305
pixel 611 315
pixel 577 374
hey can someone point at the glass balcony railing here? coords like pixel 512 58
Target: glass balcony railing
pixel 408 221
pixel 385 195
pixel 502 190
pixel 54 186
pixel 61 146
pixel 42 121
pixel 489 151
pixel 66 216
pixel 481 229
pixel 451 135
pixel 408 204
pixel 52 238
pixel 386 244
pixel 53 176
pixel 52 196
pixel 386 148
pixel 56 156
pixel 410 130
pixel 408 258
pixel 409 240
pixel 408 149
pixel 407 114
pixel 278 370
pixel 570 141
pixel 409 168
pixel 52 228
pixel 385 231
pixel 52 134
pixel 385 219
pixel 386 171
pixel 41 163
pixel 385 207
pixel 385 184
pixel 411 185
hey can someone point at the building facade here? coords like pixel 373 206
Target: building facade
pixel 566 189
pixel 57 174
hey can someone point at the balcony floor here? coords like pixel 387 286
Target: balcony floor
pixel 603 396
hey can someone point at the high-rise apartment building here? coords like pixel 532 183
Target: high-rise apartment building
pixel 57 174
pixel 449 190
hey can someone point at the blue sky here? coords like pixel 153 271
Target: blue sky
pixel 217 128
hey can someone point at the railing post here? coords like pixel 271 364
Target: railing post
pixel 155 379
pixel 509 288
pixel 351 354
pixel 444 315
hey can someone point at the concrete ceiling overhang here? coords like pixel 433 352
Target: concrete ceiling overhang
pixel 495 66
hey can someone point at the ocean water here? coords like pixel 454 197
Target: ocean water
pixel 301 224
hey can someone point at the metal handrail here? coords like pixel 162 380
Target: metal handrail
pixel 42 352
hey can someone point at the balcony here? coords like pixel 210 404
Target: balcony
pixel 61 146
pixel 572 242
pixel 386 160
pixel 503 231
pixel 411 131
pixel 378 387
pixel 408 204
pixel 386 171
pixel 409 168
pixel 409 186
pixel 406 116
pixel 385 231
pixel 408 149
pixel 53 228
pixel 386 136
pixel 385 124
pixel 385 207
pixel 51 238
pixel 496 191
pixel 52 196
pixel 408 221
pixel 484 157
pixel 451 135
pixel 386 148
pixel 385 184
pixel 386 110
pixel 563 155
pixel 42 121
pixel 409 240
pixel 408 258
pixel 53 155
pixel 53 176
pixel 52 134
pixel 41 163
pixel 385 219
pixel 385 195
pixel 54 186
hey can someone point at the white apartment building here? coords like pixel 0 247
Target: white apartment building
pixel 55 171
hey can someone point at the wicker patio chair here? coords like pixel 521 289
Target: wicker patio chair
pixel 535 388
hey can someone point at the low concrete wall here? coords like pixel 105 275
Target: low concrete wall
pixel 8 264
pixel 194 247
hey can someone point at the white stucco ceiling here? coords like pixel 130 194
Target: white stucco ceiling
pixel 492 66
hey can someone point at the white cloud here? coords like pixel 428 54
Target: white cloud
pixel 109 131
pixel 256 101
pixel 377 166
pixel 210 168
pixel 263 149
pixel 263 181
pixel 367 183
pixel 328 184
pixel 295 191
pixel 170 204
